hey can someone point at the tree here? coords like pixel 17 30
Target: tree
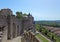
pixel 24 14
pixel 52 37
pixel 40 28
pixel 19 15
pixel 46 32
pixel 37 27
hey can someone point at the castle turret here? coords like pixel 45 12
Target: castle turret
pixel 6 12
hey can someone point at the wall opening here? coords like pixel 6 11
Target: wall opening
pixel 14 30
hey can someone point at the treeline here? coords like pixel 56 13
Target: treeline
pixel 48 23
pixel 53 25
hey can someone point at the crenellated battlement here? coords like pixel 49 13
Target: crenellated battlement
pixel 15 26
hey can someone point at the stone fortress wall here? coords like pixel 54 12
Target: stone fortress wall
pixel 11 27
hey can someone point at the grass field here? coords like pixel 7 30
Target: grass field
pixel 42 38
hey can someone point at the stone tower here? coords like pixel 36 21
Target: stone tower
pixel 14 27
pixel 6 12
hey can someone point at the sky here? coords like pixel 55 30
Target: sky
pixel 40 9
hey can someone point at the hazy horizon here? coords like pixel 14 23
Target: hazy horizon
pixel 40 9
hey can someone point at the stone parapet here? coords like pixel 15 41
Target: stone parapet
pixel 30 37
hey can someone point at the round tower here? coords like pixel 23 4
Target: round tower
pixel 6 12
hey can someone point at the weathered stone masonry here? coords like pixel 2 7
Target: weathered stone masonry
pixel 13 27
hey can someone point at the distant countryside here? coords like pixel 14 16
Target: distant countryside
pixel 50 29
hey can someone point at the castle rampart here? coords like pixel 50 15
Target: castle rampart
pixel 13 26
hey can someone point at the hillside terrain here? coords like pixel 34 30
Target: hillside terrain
pixel 50 29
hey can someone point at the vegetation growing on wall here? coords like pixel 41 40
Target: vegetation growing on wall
pixel 20 15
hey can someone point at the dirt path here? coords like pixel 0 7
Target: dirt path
pixel 18 39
